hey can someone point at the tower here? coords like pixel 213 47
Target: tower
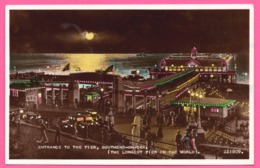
pixel 194 52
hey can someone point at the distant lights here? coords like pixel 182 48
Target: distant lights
pixel 203 104
pixel 94 82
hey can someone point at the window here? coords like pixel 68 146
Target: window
pixel 186 108
pixel 214 110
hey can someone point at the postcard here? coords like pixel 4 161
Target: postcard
pixel 129 85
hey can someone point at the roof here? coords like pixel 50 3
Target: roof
pixel 206 102
pixel 201 61
pixel 93 76
pixel 157 82
pixel 25 85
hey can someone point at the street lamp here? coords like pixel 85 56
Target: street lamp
pixel 200 131
pixel 158 96
pixel 101 99
pixel 229 90
pixel 192 122
pixel 211 77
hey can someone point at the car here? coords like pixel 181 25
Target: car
pixel 88 127
pixel 92 113
pixel 85 113
pixel 65 125
pixel 15 116
pixel 32 117
pixel 68 124
pixel 84 122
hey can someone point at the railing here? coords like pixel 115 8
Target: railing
pixel 197 69
pixel 229 129
pixel 217 139
pixel 171 95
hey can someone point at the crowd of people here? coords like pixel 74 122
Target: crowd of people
pixel 186 142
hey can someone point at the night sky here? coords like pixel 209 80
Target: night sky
pixel 129 31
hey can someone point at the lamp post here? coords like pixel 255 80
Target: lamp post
pixel 229 90
pixel 192 122
pixel 101 99
pixel 211 78
pixel 200 93
pixel 158 96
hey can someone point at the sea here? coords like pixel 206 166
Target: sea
pixel 123 64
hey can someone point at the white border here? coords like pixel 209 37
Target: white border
pixel 250 161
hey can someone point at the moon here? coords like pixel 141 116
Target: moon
pixel 89 35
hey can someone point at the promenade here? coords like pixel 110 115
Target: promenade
pixel 164 147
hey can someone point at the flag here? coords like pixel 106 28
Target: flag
pixel 109 69
pixel 77 69
pixel 67 67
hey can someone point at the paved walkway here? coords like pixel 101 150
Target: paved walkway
pixel 23 145
pixel 123 124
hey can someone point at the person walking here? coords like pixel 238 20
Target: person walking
pixel 57 133
pixel 149 140
pixel 43 128
pixel 160 132
pixel 193 143
pixel 186 141
pixel 153 136
pixel 158 119
pixel 178 139
pixel 75 129
pixel 112 121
